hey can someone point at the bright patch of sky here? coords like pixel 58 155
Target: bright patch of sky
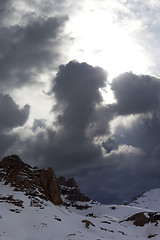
pixel 105 36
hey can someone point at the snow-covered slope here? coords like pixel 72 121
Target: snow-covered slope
pixel 24 219
pixel 29 216
pixel 148 200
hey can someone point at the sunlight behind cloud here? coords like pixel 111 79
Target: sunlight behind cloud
pixel 103 42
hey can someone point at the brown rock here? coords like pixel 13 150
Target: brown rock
pixel 71 183
pixel 61 181
pixel 72 193
pixel 88 223
pixel 12 160
pixel 49 183
pixel 139 219
pixel 33 182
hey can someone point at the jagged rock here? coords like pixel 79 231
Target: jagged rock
pixel 41 183
pixel 49 183
pixel 88 223
pixel 32 181
pixel 61 181
pixel 71 192
pixel 71 189
pixel 152 235
pixel 71 183
pixel 12 160
pixel 140 219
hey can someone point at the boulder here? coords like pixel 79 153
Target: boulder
pixel 142 218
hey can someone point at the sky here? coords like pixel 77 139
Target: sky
pixel 80 91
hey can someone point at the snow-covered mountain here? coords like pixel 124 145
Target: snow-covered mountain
pixel 34 205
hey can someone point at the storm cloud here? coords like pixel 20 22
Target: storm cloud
pixel 132 153
pixel 136 94
pixel 28 50
pixel 82 141
pixel 78 103
pixel 5 10
pixel 112 150
pixel 76 88
pixel 12 116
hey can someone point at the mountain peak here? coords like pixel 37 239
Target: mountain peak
pixel 13 160
pixel 40 183
pixel 31 181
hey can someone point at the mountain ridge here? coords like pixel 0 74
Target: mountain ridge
pixel 40 183
pixel 32 209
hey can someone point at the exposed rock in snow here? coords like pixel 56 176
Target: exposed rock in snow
pixel 50 186
pixel 28 209
pixel 31 181
pixel 142 218
pixel 71 194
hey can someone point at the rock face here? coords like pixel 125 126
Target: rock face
pixel 34 182
pixel 70 188
pixel 12 160
pixel 49 183
pixel 71 193
pixel 142 218
pixel 41 183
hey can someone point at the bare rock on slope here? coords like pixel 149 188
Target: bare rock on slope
pixel 142 218
pixel 34 182
pixel 72 195
pixel 71 190
pixel 49 183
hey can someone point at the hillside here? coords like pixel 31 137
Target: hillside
pixel 34 205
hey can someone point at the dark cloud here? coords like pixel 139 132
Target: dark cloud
pixel 11 115
pixel 142 132
pixel 30 43
pixel 74 145
pixel 136 94
pixel 109 145
pixel 38 123
pixel 133 171
pixel 76 89
pixel 5 10
pixel 133 151
pixel 28 50
pixel 78 103
pixel 7 141
pixel 118 177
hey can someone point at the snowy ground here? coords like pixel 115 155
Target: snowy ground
pixel 41 220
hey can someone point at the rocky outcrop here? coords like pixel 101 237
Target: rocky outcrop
pixel 49 184
pixel 41 183
pixel 34 182
pixel 12 160
pixel 72 196
pixel 71 183
pixel 88 223
pixel 142 218
pixel 70 189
